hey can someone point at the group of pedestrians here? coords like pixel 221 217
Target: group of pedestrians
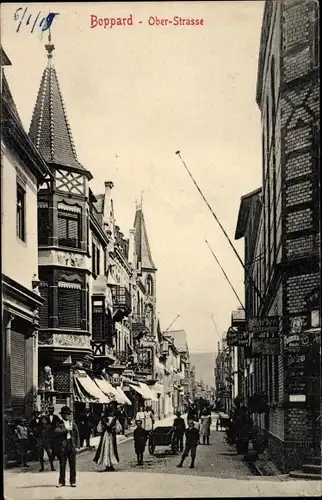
pixel 39 435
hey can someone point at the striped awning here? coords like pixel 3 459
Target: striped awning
pixel 124 399
pixel 87 391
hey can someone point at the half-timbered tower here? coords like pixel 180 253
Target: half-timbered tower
pixel 63 243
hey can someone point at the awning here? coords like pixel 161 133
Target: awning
pixel 144 391
pixel 122 395
pixel 107 388
pixel 157 387
pixel 147 391
pixel 84 382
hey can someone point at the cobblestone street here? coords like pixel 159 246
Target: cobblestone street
pixel 218 472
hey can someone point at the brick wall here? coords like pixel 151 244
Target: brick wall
pixel 298 287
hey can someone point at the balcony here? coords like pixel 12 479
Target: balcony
pixel 138 322
pixel 122 302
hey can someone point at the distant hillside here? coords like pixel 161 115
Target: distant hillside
pixel 204 363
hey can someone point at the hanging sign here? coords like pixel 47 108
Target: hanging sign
pixel 264 327
pixel 265 347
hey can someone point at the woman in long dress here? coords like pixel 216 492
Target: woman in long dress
pixel 107 453
pixel 205 423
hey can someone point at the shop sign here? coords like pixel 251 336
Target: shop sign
pixel 237 338
pixel 297 386
pixel 225 395
pixel 264 327
pixel 265 347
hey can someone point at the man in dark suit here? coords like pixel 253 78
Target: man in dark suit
pixel 68 442
pixel 53 421
pixel 34 429
pixel 84 428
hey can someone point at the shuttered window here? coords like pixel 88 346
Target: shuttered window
pixel 69 229
pixel 18 371
pixel 43 226
pixel 95 259
pixel 69 305
pixel 97 320
pixel 43 310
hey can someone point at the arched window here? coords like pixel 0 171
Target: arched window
pixel 149 318
pixel 138 304
pixel 149 285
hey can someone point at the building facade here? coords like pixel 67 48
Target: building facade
pixel 63 246
pixel 22 171
pixel 284 276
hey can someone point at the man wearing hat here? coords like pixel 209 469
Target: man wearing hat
pixel 68 442
pixel 34 428
pixel 53 421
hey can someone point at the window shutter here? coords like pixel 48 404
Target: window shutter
pixel 43 226
pixel 69 229
pixel 62 227
pixel 43 309
pixel 69 305
pixel 18 371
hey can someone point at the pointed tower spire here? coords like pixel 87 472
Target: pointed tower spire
pixel 50 47
pixel 49 128
pixel 142 246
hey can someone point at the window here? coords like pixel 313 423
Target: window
pixel 43 225
pixel 21 215
pixel 69 305
pixel 98 320
pixel 149 283
pixel 68 229
pixel 43 309
pixel 95 259
pixel 315 318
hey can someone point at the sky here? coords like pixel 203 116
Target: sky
pixel 134 96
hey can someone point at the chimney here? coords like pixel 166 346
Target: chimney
pixel 107 203
pixel 132 256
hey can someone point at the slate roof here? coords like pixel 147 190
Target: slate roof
pixel 179 339
pixel 142 246
pixel 49 128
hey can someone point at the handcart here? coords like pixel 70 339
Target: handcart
pixel 162 436
pixel 223 421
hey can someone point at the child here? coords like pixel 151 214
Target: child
pixel 23 441
pixel 192 441
pixel 140 436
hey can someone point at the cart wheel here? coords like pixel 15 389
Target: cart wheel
pixel 151 447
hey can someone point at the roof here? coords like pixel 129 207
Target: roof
pixel 14 134
pixel 5 61
pixel 49 128
pixel 99 207
pixel 245 204
pixel 179 339
pixel 267 15
pixel 142 246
